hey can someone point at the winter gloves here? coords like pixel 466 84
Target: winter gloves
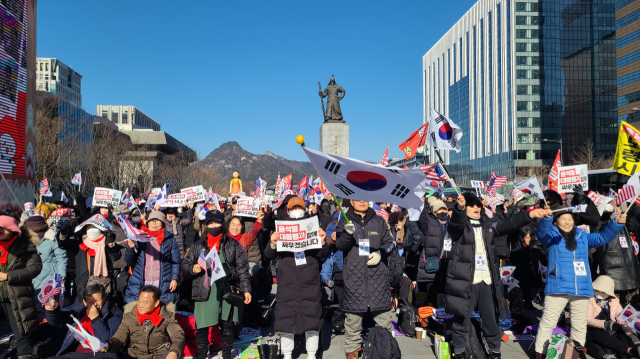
pixel 374 259
pixel 611 325
pixel 350 228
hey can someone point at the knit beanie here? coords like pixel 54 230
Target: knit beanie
pixel 36 223
pixel 44 208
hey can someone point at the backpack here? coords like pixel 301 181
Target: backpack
pixel 407 318
pixel 381 345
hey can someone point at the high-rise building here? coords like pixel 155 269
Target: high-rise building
pixel 628 59
pixel 128 118
pixel 522 79
pixel 53 76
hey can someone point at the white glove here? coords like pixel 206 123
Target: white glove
pixel 374 259
pixel 349 228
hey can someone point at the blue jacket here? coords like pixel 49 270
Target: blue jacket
pixel 54 260
pixel 104 326
pixel 561 278
pixel 169 268
pixel 327 266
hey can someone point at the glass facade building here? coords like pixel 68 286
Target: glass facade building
pixel 628 59
pixel 513 74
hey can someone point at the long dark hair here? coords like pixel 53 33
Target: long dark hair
pixel 228 224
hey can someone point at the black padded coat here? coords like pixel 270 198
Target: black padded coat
pixel 365 287
pixel 432 246
pixel 461 267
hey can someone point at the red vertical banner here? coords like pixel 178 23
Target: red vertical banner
pixel 553 175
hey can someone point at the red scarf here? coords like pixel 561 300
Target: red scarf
pixel 158 235
pixel 105 215
pixel 90 252
pixel 154 317
pixel 214 241
pixel 4 246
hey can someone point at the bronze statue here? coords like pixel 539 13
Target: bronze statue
pixel 334 93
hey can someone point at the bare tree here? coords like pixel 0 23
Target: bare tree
pixel 586 154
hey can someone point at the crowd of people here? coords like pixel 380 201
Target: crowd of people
pixel 582 268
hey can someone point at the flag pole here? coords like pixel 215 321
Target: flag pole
pixel 446 171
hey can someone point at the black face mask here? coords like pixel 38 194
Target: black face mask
pixel 442 217
pixel 214 232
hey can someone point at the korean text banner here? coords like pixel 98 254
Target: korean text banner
pixel 298 236
pixel 106 197
pixel 627 159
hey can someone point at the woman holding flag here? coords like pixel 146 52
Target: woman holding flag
pixel 201 266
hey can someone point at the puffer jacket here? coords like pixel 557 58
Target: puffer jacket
pixel 54 259
pixel 502 243
pixel 621 264
pixel 179 224
pixel 298 307
pixel 235 258
pixel 561 278
pixel 461 268
pixel 413 234
pixel 169 268
pixel 432 245
pixel 364 287
pixel 614 310
pixel 147 341
pixel 104 326
pixel 21 270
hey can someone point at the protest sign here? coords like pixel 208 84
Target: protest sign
pixel 197 193
pixel 477 184
pixel 60 215
pixel 571 176
pixel 245 207
pixel 297 236
pixel 98 221
pixel 106 197
pixel 599 201
pixel 175 200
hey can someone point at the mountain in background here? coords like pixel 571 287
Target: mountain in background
pixel 230 157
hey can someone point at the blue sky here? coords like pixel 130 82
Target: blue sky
pixel 248 71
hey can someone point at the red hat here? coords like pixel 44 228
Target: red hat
pixel 10 223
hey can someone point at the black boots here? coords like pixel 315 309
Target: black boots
pixel 268 351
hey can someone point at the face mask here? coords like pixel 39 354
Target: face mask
pixel 600 295
pixel 93 233
pixel 296 213
pixel 214 232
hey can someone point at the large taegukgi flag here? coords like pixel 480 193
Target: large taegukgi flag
pixel 354 179
pixel 443 133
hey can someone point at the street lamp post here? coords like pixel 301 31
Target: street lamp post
pixel 560 141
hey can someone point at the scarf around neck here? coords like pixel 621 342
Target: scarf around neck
pixel 158 235
pixel 570 238
pixel 154 317
pixel 214 241
pixel 96 248
pixel 4 246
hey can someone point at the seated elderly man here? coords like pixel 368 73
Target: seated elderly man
pixel 149 329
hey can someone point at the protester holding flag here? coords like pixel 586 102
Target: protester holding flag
pixel 92 248
pixel 367 279
pixel 208 297
pixel 604 333
pixel 176 225
pixel 568 277
pixel 473 276
pixel 298 309
pixel 617 259
pixel 98 316
pixel 54 258
pixel 156 262
pixel 19 264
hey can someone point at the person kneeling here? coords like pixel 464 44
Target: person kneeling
pixel 95 315
pixel 603 331
pixel 149 329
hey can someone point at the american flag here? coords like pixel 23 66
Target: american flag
pixel 380 212
pixel 44 187
pixel 492 192
pixel 626 193
pixel 203 264
pixel 394 208
pixel 496 181
pixel 258 190
pixel 434 172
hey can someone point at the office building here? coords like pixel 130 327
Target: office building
pixel 53 76
pixel 522 79
pixel 628 59
pixel 128 118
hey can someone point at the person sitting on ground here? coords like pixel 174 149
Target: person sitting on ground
pixel 96 315
pixel 149 329
pixel 604 333
pixel 156 262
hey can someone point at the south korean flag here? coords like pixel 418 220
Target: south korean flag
pixel 354 179
pixel 530 186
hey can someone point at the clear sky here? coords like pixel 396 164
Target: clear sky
pixel 216 71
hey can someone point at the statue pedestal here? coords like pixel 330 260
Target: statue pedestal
pixel 334 138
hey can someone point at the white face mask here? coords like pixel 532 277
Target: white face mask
pixel 93 233
pixel 296 213
pixel 600 295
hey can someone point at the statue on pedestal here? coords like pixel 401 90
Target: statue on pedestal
pixel 334 93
